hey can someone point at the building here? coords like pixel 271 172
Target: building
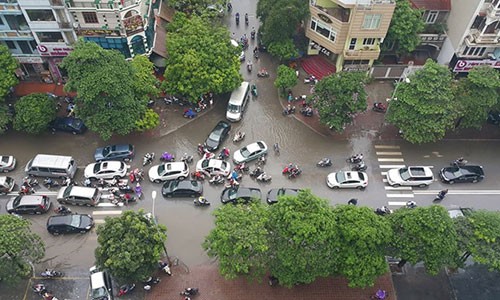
pixel 348 32
pixel 473 35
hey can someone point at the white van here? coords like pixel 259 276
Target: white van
pixel 46 165
pixel 238 102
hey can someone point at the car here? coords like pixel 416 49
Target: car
pixel 216 9
pixel 493 118
pixel 7 163
pixel 168 171
pixel 68 124
pixel 73 223
pixel 250 152
pixel 123 152
pixel 7 184
pixel 241 57
pixel 231 194
pixel 101 286
pixel 214 166
pixel 467 173
pixel 274 194
pixel 182 188
pixel 28 204
pixel 347 180
pixel 106 170
pixel 410 176
pixel 217 136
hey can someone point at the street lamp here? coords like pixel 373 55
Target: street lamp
pixel 153 195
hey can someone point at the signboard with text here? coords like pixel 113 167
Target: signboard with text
pixel 54 50
pixel 467 65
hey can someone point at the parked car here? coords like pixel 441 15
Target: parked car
pixel 101 286
pixel 410 176
pixel 123 152
pixel 347 180
pixel 169 171
pixel 28 204
pixel 217 136
pixel 182 188
pixel 68 124
pixel 73 223
pixel 106 170
pixel 231 194
pixel 274 194
pixel 467 173
pixel 250 152
pixel 7 163
pixel 214 166
pixel 7 184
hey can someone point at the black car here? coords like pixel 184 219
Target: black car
pixel 217 136
pixel 231 194
pixel 182 188
pixel 68 124
pixel 462 174
pixel 274 194
pixel 74 223
pixel 493 118
pixel 123 152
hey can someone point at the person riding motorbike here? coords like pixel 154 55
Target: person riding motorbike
pixel 246 18
pixel 237 18
pixel 202 200
pixel 63 210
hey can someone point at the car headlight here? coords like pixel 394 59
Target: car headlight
pixel 88 227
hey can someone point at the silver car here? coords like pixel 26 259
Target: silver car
pixel 7 163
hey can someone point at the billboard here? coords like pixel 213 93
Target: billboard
pixel 467 65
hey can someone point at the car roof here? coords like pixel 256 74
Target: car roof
pixel 110 164
pixel 175 166
pixel 420 171
pixel 120 147
pixel 30 199
pixel 349 175
pixel 254 146
pixel 57 220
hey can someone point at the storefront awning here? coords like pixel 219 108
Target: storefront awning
pixel 159 43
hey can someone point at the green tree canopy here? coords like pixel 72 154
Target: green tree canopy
pixel 424 108
pixel 363 240
pixel 406 24
pixel 145 87
pixel 200 59
pixel 8 65
pixel 19 247
pixel 285 78
pixel 34 113
pixel 338 97
pixel 130 246
pixel 239 240
pixel 283 50
pixel 5 118
pixel 108 99
pixel 195 6
pixel 424 234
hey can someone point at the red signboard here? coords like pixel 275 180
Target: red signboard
pixel 467 65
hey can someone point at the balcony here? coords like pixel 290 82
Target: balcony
pixel 475 38
pixel 339 13
pixel 363 52
pixel 493 10
pixel 432 38
pixel 15 35
pixel 56 3
pixel 65 25
pixel 10 9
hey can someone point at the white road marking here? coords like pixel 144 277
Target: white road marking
pixel 391 159
pixel 40 192
pixel 396 203
pixel 391 166
pixel 389 153
pixel 109 205
pixel 400 188
pixel 400 195
pixel 383 173
pixel 99 221
pixel 460 192
pixel 106 212
pixel 384 180
pixel 386 147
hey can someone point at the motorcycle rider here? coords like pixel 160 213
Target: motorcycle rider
pixel 246 18
pixel 63 210
pixel 201 200
pixel 411 204
pixel 442 194
pixel 249 66
pixel 217 178
pixel 87 182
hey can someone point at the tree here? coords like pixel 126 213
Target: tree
pixel 195 6
pixel 424 109
pixel 130 246
pixel 363 237
pixel 145 87
pixel 283 50
pixel 110 99
pixel 5 118
pixel 34 113
pixel 302 239
pixel 424 234
pixel 8 66
pixel 285 78
pixel 338 97
pixel 200 59
pixel 406 24
pixel 477 94
pixel 19 248
pixel 149 121
pixel 239 240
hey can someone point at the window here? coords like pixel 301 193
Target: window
pixel 50 37
pixel 1 21
pixel 323 29
pixel 90 17
pixel 10 44
pixel 474 51
pixel 40 15
pixel 372 21
pixel 431 17
pixel 352 44
pixel 369 41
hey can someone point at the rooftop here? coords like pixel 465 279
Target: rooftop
pixel 432 4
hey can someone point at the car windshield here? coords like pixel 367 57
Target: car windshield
pixel 161 169
pixel 244 152
pixel 232 194
pixel 205 163
pixel 214 136
pixel 97 168
pixel 457 173
pixel 340 177
pixel 404 173
pixel 233 108
pixel 67 191
pixel 75 220
pixel 106 151
pixel 5 159
pixel 99 292
pixel 76 122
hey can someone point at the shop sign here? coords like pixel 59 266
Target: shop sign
pixel 321 49
pixel 54 50
pixel 467 65
pixel 29 60
pixel 324 18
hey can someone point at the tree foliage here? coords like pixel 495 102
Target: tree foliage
pixel 110 94
pixel 477 94
pixel 363 240
pixel 406 24
pixel 283 50
pixel 19 247
pixel 145 83
pixel 194 6
pixel 338 97
pixel 424 234
pixel 424 109
pixel 130 246
pixel 285 78
pixel 201 58
pixel 34 113
pixel 5 118
pixel 8 65
pixel 149 121
pixel 239 240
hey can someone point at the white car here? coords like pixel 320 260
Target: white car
pixel 347 180
pixel 106 170
pixel 169 171
pixel 214 166
pixel 7 163
pixel 410 176
pixel 250 152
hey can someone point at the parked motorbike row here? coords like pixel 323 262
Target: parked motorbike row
pixel 42 290
pixel 148 283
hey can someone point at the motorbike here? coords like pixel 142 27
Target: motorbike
pixel 242 167
pixel 411 204
pixel 26 190
pixel 289 110
pixel 246 19
pixel 239 136
pixel 382 211
pixel 201 201
pixel 263 73
pixel 252 34
pixel 223 154
pixel 249 67
pixel 379 107
pixel 136 175
pixel 187 158
pixel 189 292
pixel 360 167
pixel 50 183
pixel 148 158
pixel 263 177
pixel 30 181
pixel 63 210
pixel 256 172
pixel 167 157
pixel 276 147
pixel 294 173
pixel 126 289
pixel 459 162
pixel 138 190
pixel 254 90
pixel 41 290
pixel 172 99
pixel 198 176
pixel 262 160
pixel 237 18
pixel 165 267
pixel 149 282
pixel 355 159
pixel 440 196
pixel 216 179
pixel 379 295
pixel 67 181
pixel 48 273
pixel 325 162
pixel 307 112
pixel 311 79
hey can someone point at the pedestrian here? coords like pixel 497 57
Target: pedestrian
pixel 229 6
